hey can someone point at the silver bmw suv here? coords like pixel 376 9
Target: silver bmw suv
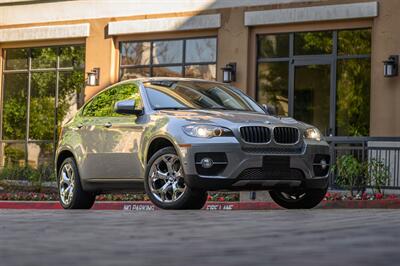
pixel 179 138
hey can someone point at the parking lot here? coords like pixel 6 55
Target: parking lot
pixel 315 237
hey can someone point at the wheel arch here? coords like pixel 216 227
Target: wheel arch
pixel 62 155
pixel 158 143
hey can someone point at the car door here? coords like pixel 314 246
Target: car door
pixel 111 140
pixel 120 147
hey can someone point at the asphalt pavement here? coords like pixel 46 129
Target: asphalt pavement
pixel 246 238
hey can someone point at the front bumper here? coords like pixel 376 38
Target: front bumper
pixel 244 162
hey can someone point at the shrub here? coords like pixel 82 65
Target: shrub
pixel 35 175
pixel 378 175
pixel 355 175
pixel 349 173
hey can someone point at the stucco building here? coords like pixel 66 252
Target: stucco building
pixel 320 61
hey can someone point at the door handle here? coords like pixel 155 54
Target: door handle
pixel 108 125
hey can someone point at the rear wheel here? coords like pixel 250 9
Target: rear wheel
pixel 298 199
pixel 70 189
pixel 165 183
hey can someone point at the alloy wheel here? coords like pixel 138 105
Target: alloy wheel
pixel 166 178
pixel 292 196
pixel 67 183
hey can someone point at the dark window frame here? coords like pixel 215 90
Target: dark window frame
pixel 29 70
pixel 183 64
pixel 332 58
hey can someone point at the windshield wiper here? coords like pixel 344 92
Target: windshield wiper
pixel 216 108
pixel 172 108
pixel 227 109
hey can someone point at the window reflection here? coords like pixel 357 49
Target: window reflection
pixel 12 155
pixel 311 95
pixel 311 83
pixel 44 57
pixel 70 88
pixel 162 98
pixel 16 59
pixel 72 56
pixel 133 73
pixel 103 104
pixel 197 95
pixel 201 72
pixel 353 42
pixel 15 91
pixel 313 43
pixel 42 112
pixel 167 52
pixel 170 71
pixel 275 45
pixel 166 58
pixel 273 80
pixel 42 106
pixel 353 97
pixel 201 50
pixel 135 53
pixel 40 156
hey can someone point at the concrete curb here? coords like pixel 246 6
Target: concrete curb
pixel 212 206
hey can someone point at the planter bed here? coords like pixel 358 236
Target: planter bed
pixel 25 195
pixel 53 196
pixel 210 205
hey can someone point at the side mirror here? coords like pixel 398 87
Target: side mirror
pixel 269 109
pixel 127 107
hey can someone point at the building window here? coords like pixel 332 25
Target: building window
pixel 41 90
pixel 194 58
pixel 295 74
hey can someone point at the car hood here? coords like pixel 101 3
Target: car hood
pixel 222 117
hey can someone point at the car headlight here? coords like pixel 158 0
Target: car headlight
pixel 313 133
pixel 207 131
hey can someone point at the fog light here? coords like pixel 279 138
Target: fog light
pixel 207 162
pixel 324 164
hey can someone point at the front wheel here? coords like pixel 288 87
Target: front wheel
pixel 165 184
pixel 70 191
pixel 298 199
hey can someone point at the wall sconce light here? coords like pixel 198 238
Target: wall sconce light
pixel 93 77
pixel 391 66
pixel 229 73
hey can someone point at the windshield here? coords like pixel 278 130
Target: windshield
pixel 198 95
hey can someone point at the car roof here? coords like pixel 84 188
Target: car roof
pixel 146 80
pixel 170 79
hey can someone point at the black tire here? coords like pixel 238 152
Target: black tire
pixel 310 198
pixel 80 198
pixel 191 199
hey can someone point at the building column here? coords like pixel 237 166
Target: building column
pixel 102 53
pixel 385 92
pixel 233 39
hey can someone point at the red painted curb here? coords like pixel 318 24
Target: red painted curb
pixel 212 206
pixel 30 205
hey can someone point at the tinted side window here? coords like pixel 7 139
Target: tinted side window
pixel 103 104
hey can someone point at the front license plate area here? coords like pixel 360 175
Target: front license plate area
pixel 276 167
